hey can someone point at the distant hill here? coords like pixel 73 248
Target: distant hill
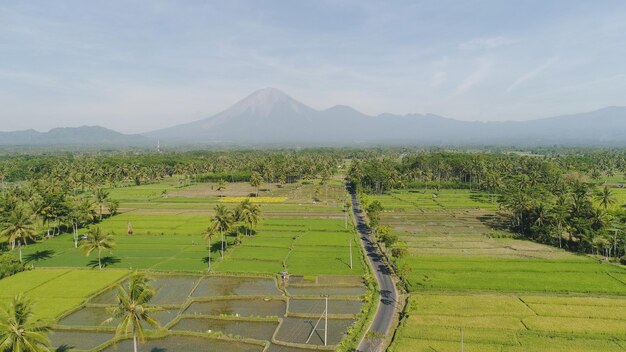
pixel 72 136
pixel 269 116
pixel 272 118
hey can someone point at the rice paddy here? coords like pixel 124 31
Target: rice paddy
pixel 247 312
pixel 302 232
pixel 500 293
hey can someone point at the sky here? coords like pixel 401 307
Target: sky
pixel 137 66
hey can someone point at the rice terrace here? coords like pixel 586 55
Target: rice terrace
pixel 300 176
pixel 274 256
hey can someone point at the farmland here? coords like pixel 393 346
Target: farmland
pixel 229 313
pixel 302 230
pixel 168 233
pixel 506 294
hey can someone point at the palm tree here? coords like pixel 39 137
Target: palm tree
pixel 605 197
pixel 255 181
pixel 248 213
pixel 211 232
pixel 81 213
pixel 19 332
pixel 96 240
pixel 19 228
pixel 224 220
pixel 251 216
pixel 102 199
pixel 131 308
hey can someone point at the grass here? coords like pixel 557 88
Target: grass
pixel 506 294
pixel 305 235
pixel 507 322
pixel 453 273
pixel 253 199
pixel 56 291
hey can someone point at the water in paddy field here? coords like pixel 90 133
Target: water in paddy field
pixel 280 348
pixel 228 305
pixel 229 286
pixel 178 343
pixel 96 317
pixel 174 290
pixel 240 307
pixel 260 330
pixel 79 340
pixel 325 290
pixel 317 306
pixel 297 330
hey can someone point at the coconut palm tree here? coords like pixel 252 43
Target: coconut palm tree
pixel 81 213
pixel 605 197
pixel 102 199
pixel 224 221
pixel 255 181
pixel 249 214
pixel 211 232
pixel 132 308
pixel 96 240
pixel 19 331
pixel 18 227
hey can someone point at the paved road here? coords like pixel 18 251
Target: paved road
pixel 383 320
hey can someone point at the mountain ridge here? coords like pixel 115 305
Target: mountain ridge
pixel 270 117
pixel 82 135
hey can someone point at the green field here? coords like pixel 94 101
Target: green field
pixel 57 290
pixel 304 234
pixel 506 294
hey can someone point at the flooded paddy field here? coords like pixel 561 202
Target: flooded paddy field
pixel 220 313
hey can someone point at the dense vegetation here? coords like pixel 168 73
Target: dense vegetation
pixel 66 192
pixel 567 200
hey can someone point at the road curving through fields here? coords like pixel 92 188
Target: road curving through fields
pixel 381 327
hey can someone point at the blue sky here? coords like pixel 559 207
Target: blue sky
pixel 141 65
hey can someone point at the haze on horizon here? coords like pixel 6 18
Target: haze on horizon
pixel 143 65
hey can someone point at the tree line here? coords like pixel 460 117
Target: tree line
pixel 565 200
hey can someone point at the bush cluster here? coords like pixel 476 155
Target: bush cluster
pixel 9 265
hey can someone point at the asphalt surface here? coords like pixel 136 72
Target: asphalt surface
pixel 383 320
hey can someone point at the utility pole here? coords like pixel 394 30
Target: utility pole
pixel 350 242
pixel 325 316
pixel 326 322
pixel 462 347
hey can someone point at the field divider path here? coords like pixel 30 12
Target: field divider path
pixel 382 324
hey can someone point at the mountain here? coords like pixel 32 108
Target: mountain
pixel 72 136
pixel 270 117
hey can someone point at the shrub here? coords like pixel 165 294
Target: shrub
pixel 9 265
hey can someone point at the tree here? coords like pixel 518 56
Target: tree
pixel 97 241
pixel 132 308
pixel 248 213
pixel 605 197
pixel 19 228
pixel 81 213
pixel 255 181
pixel 211 232
pixel 19 331
pixel 102 199
pixel 224 221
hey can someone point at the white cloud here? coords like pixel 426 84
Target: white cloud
pixel 531 74
pixel 474 78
